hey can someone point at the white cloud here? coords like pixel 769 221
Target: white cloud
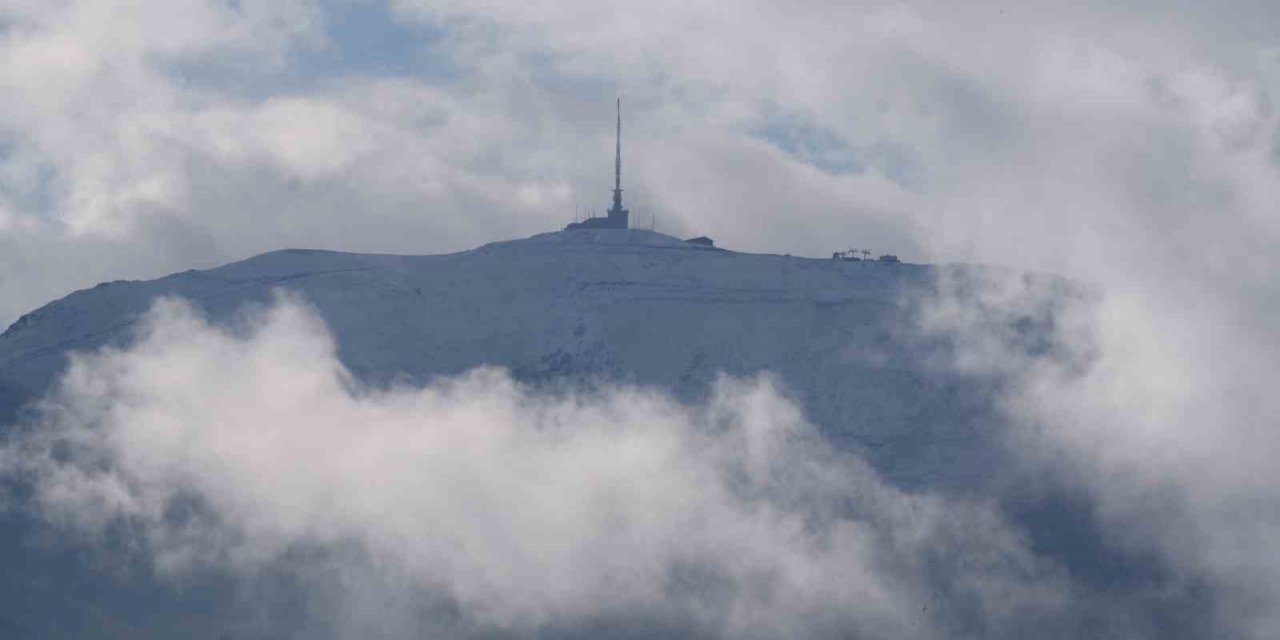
pixel 1129 145
pixel 88 94
pixel 1160 411
pixel 227 450
pixel 1038 121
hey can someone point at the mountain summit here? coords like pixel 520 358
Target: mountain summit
pixel 581 307
pixel 577 309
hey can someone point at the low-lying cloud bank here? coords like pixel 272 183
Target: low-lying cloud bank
pixel 1161 414
pixel 518 511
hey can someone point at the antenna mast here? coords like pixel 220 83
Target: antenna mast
pixel 618 215
pixel 617 158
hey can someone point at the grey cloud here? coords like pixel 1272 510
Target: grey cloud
pixel 251 449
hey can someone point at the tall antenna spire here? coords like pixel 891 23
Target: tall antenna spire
pixel 618 218
pixel 617 158
pixel 618 215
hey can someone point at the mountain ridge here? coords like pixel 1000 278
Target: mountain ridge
pixel 578 309
pixel 630 306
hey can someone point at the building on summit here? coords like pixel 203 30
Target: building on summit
pixel 617 216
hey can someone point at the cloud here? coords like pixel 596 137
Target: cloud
pixel 1158 413
pixel 1131 145
pixel 211 116
pixel 1149 396
pixel 236 449
pixel 959 122
pixel 91 174
pixel 208 120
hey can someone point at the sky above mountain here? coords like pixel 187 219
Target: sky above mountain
pixel 1095 139
pixel 1132 145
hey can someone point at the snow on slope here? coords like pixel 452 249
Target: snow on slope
pixel 589 305
pixel 577 307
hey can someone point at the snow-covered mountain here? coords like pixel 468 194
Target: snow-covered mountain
pixel 585 305
pixel 569 308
